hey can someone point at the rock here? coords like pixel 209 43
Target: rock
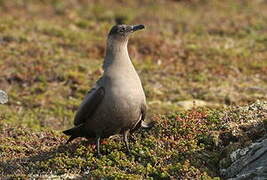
pixel 189 104
pixel 3 97
pixel 248 163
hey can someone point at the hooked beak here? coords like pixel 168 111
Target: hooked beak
pixel 137 27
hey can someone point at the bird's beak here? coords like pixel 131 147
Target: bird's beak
pixel 137 27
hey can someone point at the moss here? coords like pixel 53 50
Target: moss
pixel 51 54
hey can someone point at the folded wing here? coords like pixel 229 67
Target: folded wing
pixel 89 105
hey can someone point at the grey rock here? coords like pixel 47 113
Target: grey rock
pixel 3 97
pixel 249 163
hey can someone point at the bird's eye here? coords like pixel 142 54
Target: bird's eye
pixel 122 29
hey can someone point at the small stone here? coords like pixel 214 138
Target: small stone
pixel 3 97
pixel 189 104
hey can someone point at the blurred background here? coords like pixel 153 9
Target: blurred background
pixel 192 53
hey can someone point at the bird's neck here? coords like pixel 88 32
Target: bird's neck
pixel 116 54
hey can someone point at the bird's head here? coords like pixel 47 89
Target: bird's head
pixel 121 32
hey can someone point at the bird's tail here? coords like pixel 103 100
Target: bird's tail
pixel 74 132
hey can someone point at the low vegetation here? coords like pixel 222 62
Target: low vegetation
pixel 208 51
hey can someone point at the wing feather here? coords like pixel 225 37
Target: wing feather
pixel 89 105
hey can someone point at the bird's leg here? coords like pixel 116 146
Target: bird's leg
pixel 131 137
pixel 98 145
pixel 125 139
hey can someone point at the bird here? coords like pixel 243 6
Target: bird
pixel 117 103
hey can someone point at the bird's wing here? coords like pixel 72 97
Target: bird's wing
pixel 89 105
